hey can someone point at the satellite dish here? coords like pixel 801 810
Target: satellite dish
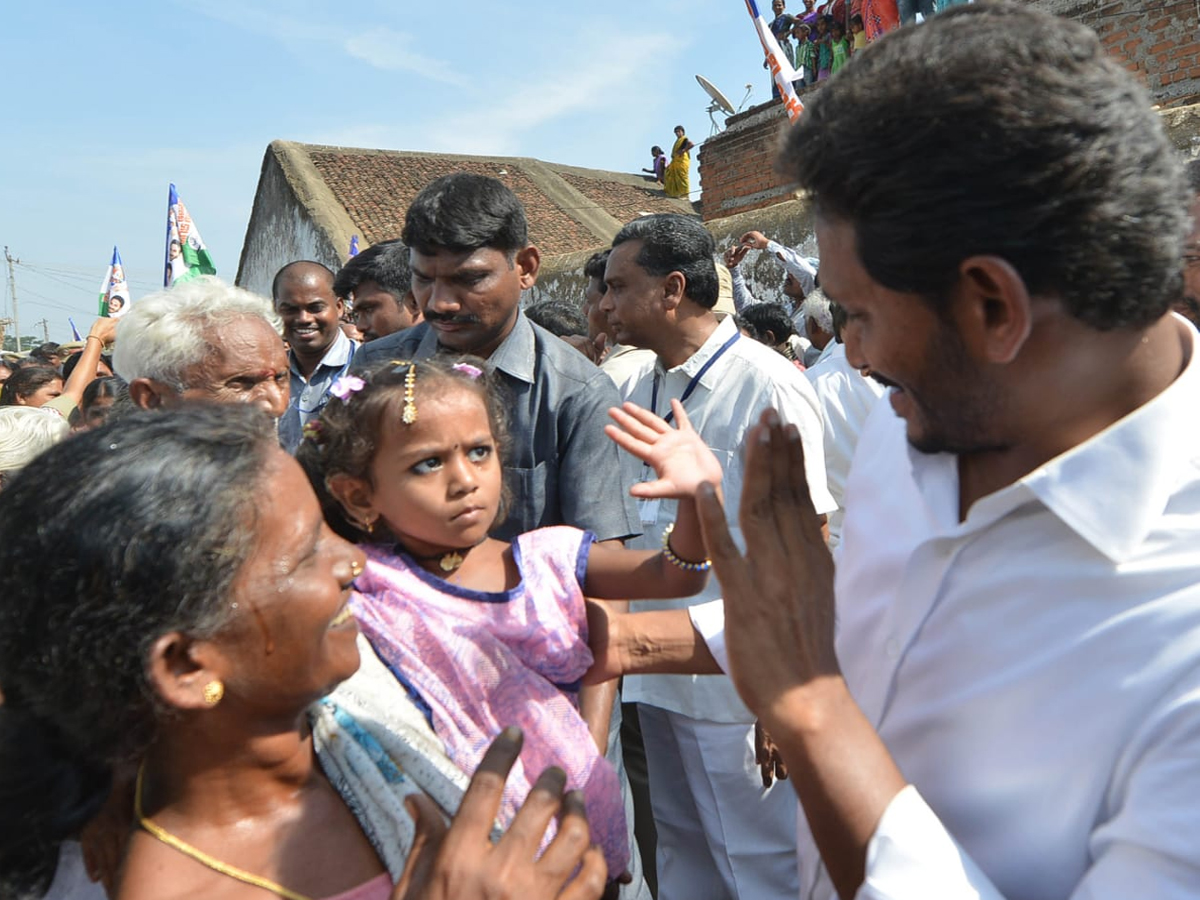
pixel 720 103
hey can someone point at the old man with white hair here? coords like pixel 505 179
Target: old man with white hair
pixel 205 340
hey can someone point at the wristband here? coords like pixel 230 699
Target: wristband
pixel 677 561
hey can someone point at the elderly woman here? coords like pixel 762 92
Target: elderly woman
pixel 201 639
pixel 25 431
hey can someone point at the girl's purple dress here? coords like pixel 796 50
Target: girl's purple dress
pixel 482 661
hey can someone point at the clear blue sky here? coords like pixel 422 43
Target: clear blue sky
pixel 105 104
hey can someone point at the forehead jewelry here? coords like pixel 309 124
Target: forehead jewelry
pixel 409 415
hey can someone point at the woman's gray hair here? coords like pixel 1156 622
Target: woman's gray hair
pixel 25 431
pixel 165 334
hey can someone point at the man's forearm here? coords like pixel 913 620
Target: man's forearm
pixel 661 642
pixel 840 769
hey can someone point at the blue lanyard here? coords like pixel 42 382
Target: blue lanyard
pixel 691 385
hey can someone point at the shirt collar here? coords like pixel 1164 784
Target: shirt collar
pixel 338 354
pixel 1110 490
pixel 725 329
pixel 1114 487
pixel 515 355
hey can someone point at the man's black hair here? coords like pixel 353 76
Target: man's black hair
pixel 676 243
pixel 385 263
pixel 463 212
pixel 558 317
pixel 594 267
pixel 293 270
pixel 998 129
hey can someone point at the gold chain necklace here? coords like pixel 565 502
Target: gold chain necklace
pixel 199 855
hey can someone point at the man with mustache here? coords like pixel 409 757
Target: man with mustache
pixel 471 259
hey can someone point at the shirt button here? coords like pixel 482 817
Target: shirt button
pixel 892 648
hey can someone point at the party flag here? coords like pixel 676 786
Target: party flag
pixel 74 331
pixel 782 70
pixel 114 291
pixel 187 257
pixel 353 246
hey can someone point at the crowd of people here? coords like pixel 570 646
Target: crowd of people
pixel 386 586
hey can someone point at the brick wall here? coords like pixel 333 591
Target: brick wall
pixel 1157 39
pixel 736 166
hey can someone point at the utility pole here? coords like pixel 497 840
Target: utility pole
pixel 45 326
pixel 12 289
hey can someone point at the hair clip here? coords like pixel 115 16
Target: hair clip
pixel 347 385
pixel 409 414
pixel 311 431
pixel 467 369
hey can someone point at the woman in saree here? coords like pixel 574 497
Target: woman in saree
pixel 675 179
pixel 175 617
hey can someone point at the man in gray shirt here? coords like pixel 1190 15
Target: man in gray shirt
pixel 471 258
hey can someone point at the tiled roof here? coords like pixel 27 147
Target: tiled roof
pixel 622 200
pixel 569 209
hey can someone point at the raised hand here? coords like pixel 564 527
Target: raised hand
pixel 779 595
pixel 735 254
pixel 459 862
pixel 755 239
pixel 678 455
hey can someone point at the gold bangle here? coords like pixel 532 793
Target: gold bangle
pixel 92 337
pixel 676 560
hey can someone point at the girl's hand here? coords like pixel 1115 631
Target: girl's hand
pixel 678 454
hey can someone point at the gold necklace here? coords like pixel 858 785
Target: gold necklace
pixel 199 855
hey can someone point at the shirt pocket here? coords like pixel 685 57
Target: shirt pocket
pixel 531 493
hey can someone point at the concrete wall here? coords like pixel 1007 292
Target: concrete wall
pixel 282 230
pixel 1157 39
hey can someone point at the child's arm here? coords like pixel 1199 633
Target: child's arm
pixel 682 463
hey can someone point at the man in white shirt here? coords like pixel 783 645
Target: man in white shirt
pixel 721 834
pixel 1010 706
pixel 847 396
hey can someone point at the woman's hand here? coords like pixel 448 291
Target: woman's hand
pixel 459 862
pixel 678 455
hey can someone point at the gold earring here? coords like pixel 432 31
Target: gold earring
pixel 213 692
pixel 355 569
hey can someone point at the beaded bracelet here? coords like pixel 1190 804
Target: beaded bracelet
pixel 677 561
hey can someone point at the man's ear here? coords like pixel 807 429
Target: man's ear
pixel 414 308
pixel 528 261
pixel 993 308
pixel 355 496
pixel 674 288
pixel 179 669
pixel 146 393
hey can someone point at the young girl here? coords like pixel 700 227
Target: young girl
pixel 483 633
pixel 824 43
pixel 659 161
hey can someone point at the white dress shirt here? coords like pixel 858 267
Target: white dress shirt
pixel 847 398
pixel 1035 669
pixel 727 401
